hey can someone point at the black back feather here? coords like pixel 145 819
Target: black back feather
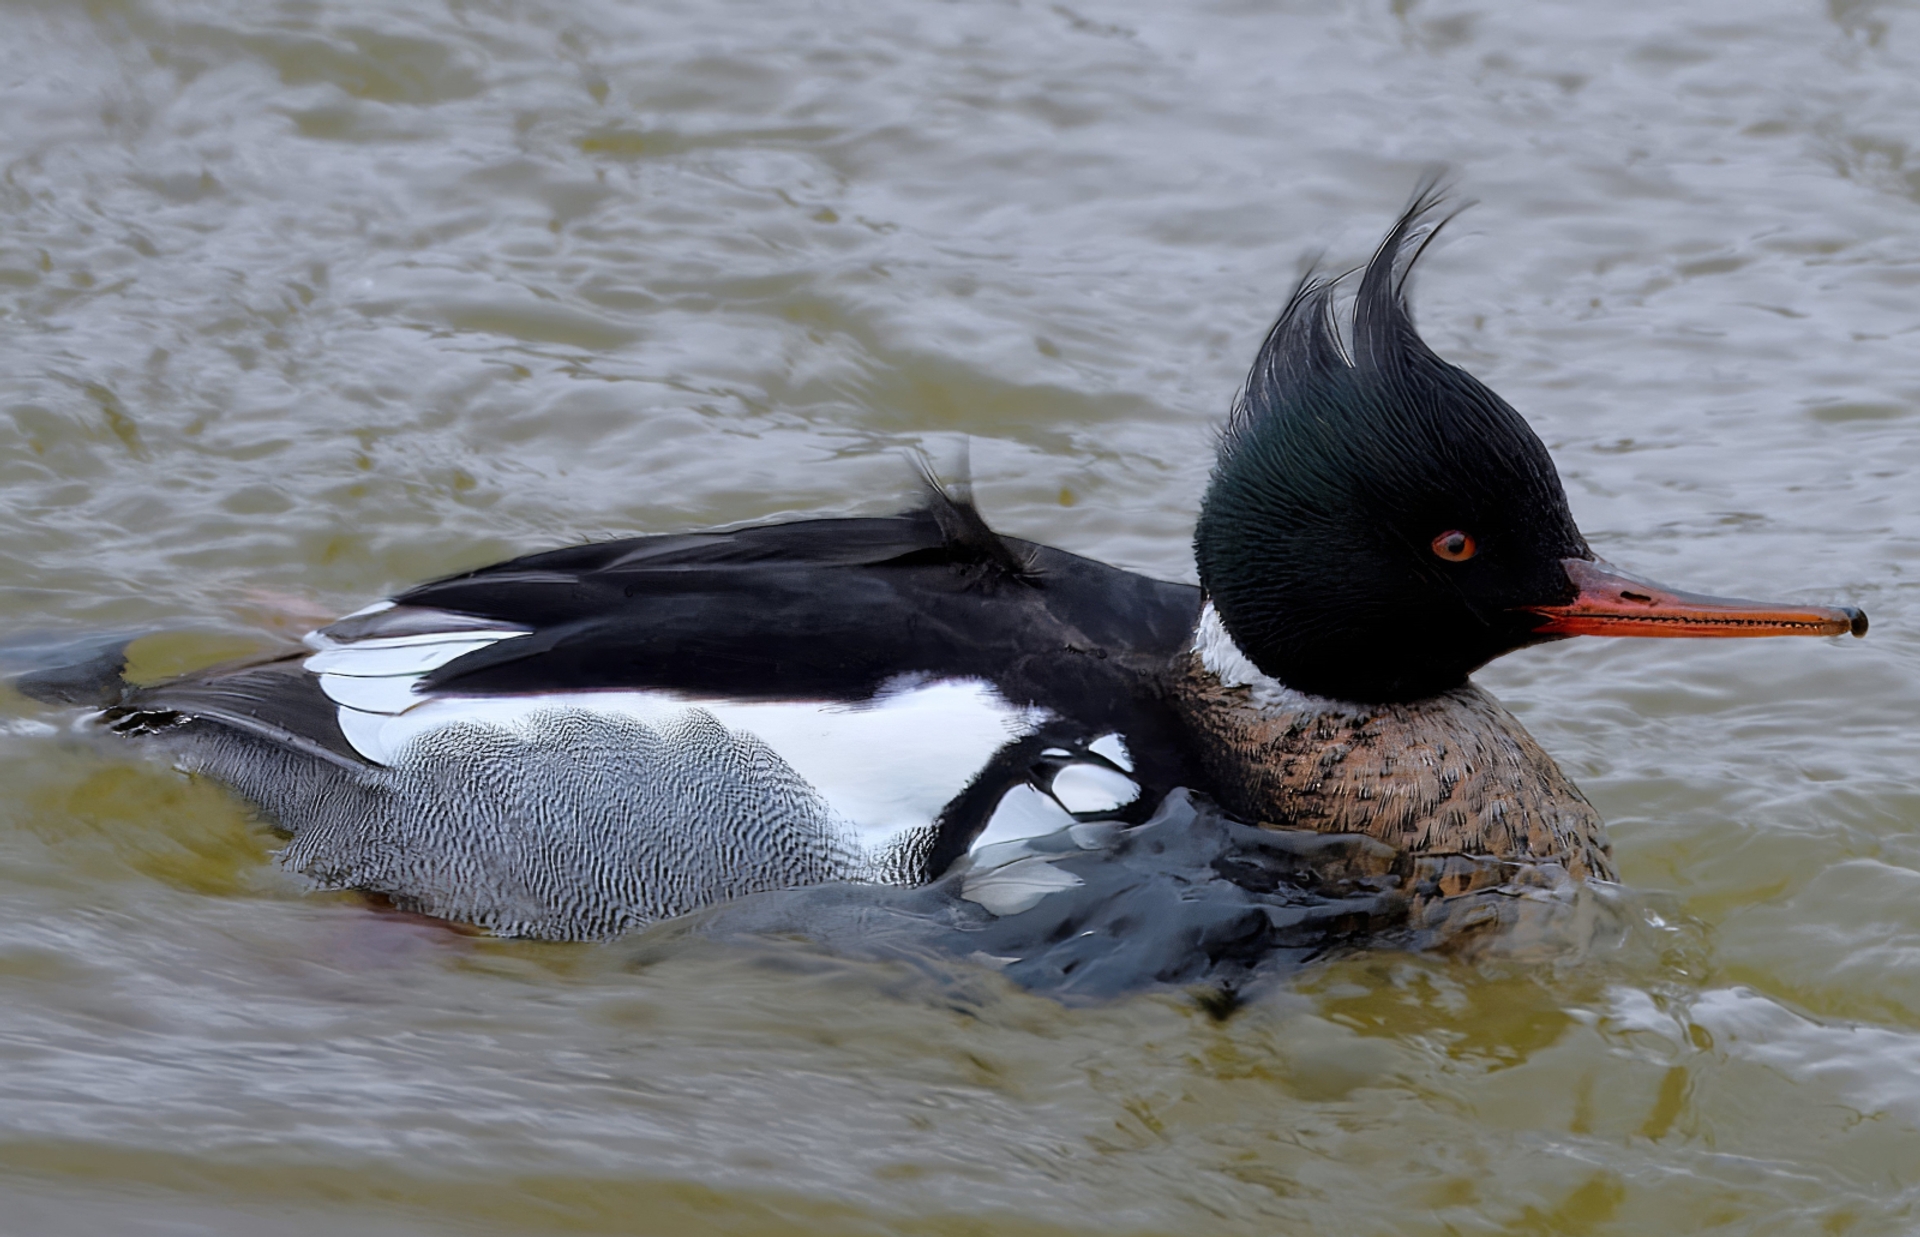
pixel 967 540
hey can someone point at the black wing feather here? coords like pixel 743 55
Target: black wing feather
pixel 814 609
pixel 276 700
pixel 820 609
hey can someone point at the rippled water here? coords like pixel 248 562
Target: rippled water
pixel 303 302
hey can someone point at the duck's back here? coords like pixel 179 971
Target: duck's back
pixel 580 741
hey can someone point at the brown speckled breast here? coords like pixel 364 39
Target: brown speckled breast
pixel 1485 821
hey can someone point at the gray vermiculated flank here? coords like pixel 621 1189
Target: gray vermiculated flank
pixel 572 826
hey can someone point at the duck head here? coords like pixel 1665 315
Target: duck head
pixel 1380 524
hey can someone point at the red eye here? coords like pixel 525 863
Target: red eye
pixel 1454 546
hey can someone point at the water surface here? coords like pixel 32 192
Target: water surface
pixel 303 302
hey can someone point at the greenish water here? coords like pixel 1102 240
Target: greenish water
pixel 302 302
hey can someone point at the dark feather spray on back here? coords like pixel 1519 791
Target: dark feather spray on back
pixel 1343 469
pixel 967 542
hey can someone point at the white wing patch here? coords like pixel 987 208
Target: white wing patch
pixel 883 766
pixel 373 680
pixel 388 696
pixel 401 655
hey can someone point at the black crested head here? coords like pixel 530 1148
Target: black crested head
pixel 1377 515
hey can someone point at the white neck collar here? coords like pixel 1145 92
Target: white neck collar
pixel 1228 663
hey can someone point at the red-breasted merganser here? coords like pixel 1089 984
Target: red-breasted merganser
pixel 579 742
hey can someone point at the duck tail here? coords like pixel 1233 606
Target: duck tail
pixel 90 674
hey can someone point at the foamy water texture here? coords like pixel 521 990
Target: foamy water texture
pixel 303 302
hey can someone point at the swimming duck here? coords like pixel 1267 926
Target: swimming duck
pixel 579 742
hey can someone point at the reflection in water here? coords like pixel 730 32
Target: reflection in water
pixel 304 303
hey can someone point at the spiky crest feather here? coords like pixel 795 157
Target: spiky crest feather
pixel 1341 462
